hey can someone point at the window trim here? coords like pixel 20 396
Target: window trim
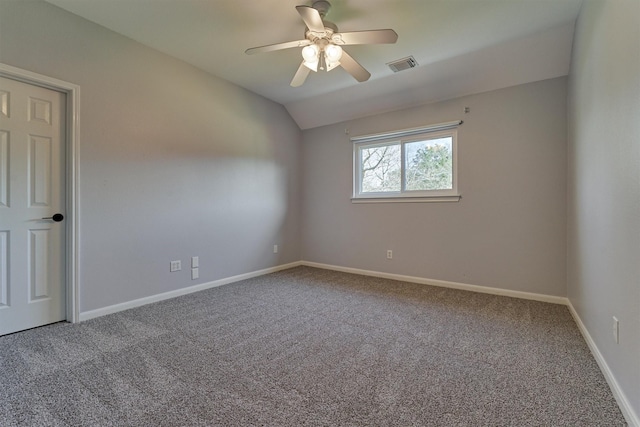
pixel 403 137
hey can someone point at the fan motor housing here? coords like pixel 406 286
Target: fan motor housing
pixel 322 6
pixel 329 29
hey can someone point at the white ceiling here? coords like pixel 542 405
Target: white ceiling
pixel 461 46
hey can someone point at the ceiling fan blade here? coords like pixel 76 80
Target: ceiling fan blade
pixel 301 75
pixel 277 46
pixel 367 37
pixel 312 18
pixel 356 70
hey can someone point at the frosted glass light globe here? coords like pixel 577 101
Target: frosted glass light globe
pixel 310 53
pixel 333 52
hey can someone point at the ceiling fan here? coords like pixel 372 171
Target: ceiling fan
pixel 322 45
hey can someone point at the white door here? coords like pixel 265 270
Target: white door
pixel 32 188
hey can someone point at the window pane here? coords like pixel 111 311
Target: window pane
pixel 380 168
pixel 429 164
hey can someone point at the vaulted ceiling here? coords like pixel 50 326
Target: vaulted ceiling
pixel 461 46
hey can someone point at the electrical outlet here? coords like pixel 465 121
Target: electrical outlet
pixel 616 330
pixel 175 266
pixel 195 274
pixel 275 249
pixel 389 254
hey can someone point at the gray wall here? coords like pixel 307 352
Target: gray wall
pixel 509 229
pixel 173 162
pixel 604 183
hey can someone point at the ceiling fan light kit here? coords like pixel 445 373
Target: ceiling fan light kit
pixel 323 54
pixel 322 46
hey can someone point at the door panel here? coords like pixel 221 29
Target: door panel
pixel 40 171
pixel 4 269
pixel 38 264
pixel 32 188
pixel 4 169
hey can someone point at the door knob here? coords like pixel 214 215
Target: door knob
pixel 56 217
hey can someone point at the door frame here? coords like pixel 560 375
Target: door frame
pixel 72 150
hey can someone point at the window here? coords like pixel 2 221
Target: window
pixel 410 165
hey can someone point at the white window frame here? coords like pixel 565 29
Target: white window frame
pixel 402 137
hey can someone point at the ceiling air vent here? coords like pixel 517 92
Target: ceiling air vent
pixel 402 64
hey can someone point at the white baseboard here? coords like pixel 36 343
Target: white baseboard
pixel 412 279
pixel 443 283
pixel 184 291
pixel 625 407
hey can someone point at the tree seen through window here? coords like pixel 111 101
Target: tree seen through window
pixel 428 165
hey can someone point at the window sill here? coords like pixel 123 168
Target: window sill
pixel 432 199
